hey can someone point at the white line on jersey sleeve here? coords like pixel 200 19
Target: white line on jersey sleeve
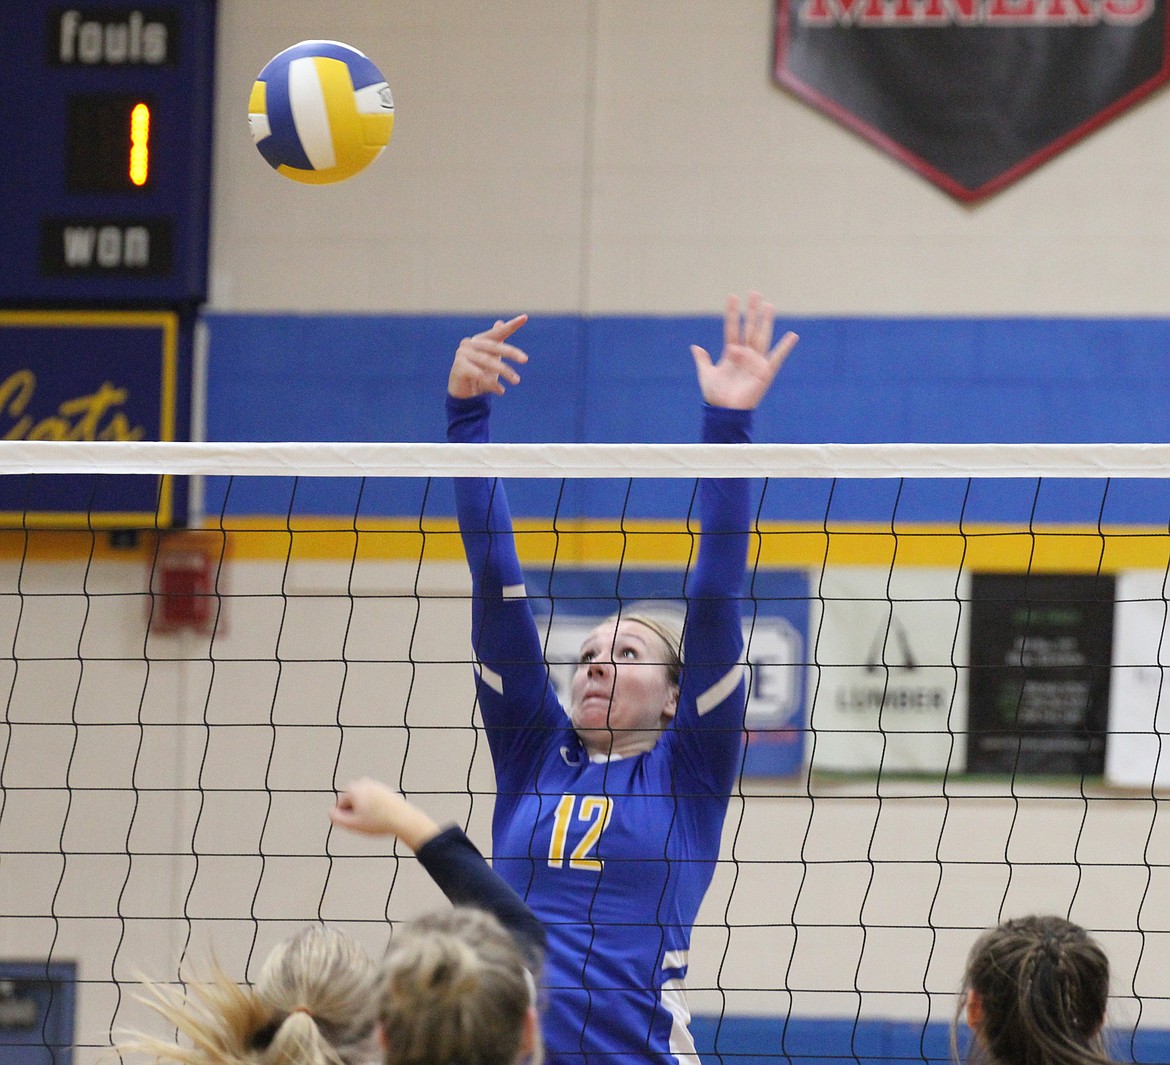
pixel 491 678
pixel 719 691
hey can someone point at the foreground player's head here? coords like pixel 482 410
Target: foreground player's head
pixel 314 1003
pixel 456 989
pixel 323 986
pixel 1035 993
pixel 625 688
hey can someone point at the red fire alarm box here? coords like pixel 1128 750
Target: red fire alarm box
pixel 185 583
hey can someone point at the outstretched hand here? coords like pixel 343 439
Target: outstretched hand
pixel 370 807
pixel 481 360
pixel 744 372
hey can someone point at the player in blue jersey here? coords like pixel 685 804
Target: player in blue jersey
pixel 608 817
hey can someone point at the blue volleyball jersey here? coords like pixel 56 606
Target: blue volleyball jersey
pixel 614 855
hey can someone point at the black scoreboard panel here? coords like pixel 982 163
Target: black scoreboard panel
pixel 105 113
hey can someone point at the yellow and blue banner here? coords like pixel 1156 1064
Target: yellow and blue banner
pixel 89 375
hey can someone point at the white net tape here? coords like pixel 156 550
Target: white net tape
pixel 165 792
pixel 589 460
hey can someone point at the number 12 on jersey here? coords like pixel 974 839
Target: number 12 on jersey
pixel 595 809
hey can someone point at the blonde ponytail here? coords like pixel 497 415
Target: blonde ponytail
pixel 323 987
pixel 298 1040
pixel 217 1018
pixel 314 1003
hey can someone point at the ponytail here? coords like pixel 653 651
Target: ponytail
pixel 322 987
pixel 219 1019
pixel 298 1040
pixel 1043 988
pixel 314 1003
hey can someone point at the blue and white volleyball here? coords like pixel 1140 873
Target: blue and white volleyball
pixel 320 111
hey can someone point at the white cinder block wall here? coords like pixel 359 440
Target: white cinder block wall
pixel 595 156
pixel 166 797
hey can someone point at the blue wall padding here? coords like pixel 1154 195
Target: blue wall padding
pixel 632 379
pixel 819 1041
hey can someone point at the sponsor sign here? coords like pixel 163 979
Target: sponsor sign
pixel 574 601
pixel 889 687
pixel 972 94
pixel 1041 651
pixel 1138 752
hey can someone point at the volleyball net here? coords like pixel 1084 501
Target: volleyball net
pixel 955 658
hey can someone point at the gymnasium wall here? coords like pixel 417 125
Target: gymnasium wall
pixel 599 157
pixel 594 378
pixel 614 169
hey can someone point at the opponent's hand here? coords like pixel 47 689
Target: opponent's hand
pixel 482 360
pixel 744 372
pixel 370 807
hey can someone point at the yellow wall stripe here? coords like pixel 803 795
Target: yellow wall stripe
pixel 1055 549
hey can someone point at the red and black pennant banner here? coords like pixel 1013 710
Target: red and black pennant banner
pixel 972 94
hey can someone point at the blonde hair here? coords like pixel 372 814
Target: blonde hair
pixel 1043 985
pixel 314 1003
pixel 667 625
pixel 455 989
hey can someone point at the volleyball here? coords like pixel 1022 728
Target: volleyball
pixel 320 112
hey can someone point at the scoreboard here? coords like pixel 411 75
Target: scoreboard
pixel 106 131
pixel 105 120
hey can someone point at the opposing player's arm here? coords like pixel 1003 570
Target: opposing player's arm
pixel 452 860
pixel 371 808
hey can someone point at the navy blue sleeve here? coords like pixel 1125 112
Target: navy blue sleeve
pixel 464 876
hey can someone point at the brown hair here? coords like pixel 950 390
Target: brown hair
pixel 1043 987
pixel 455 990
pixel 314 1003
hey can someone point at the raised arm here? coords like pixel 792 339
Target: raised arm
pixel 518 704
pixel 484 520
pixel 732 388
pixel 712 699
pixel 452 860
